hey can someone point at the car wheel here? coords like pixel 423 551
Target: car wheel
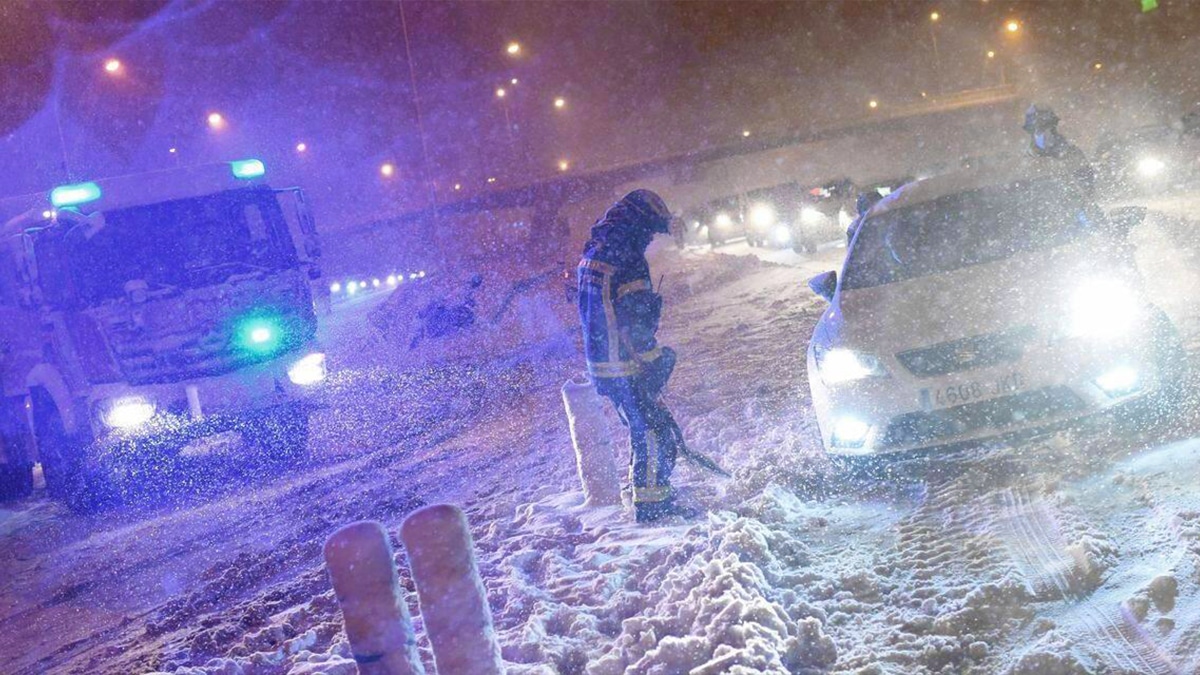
pixel 1171 356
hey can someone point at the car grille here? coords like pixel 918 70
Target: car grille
pixel 970 353
pixel 917 428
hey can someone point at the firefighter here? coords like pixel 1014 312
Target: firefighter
pixel 863 203
pixel 620 312
pixel 1041 123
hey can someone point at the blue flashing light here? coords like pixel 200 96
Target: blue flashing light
pixel 248 168
pixel 74 195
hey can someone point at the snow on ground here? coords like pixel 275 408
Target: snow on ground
pixel 1072 553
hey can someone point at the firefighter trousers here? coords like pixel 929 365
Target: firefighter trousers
pixel 651 435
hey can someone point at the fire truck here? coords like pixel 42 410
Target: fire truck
pixel 154 327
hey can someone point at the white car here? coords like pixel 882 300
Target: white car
pixel 979 303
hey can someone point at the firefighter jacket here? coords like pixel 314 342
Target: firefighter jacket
pixel 618 308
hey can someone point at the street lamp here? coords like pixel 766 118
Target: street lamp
pixel 387 169
pixel 1012 26
pixel 560 103
pixel 745 133
pixel 873 104
pixel 513 48
pixel 112 66
pixel 302 147
pixel 216 121
pixel 563 165
pixel 500 92
pixel 937 57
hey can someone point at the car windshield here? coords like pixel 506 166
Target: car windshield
pixel 186 243
pixel 963 229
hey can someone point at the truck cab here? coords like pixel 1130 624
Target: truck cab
pixel 158 319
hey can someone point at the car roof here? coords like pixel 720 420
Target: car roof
pixel 996 172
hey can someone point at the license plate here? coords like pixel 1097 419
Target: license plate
pixel 969 392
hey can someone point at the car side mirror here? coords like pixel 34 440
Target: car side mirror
pixel 824 284
pixel 1123 220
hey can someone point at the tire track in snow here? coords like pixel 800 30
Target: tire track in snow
pixel 1030 530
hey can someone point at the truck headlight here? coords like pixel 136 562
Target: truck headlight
pixel 128 413
pixel 308 370
pixel 1103 309
pixel 844 365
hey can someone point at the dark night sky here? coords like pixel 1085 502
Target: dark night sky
pixel 640 80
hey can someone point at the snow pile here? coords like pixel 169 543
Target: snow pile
pixel 713 597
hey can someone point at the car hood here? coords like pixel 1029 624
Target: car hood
pixel 1031 289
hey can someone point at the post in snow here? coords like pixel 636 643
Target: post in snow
pixel 454 605
pixel 591 437
pixel 375 613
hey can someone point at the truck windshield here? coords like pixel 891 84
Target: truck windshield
pixel 186 243
pixel 967 228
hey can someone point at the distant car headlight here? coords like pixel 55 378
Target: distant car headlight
pixel 1151 167
pixel 844 365
pixel 811 216
pixel 782 235
pixel 1103 309
pixel 723 221
pixel 129 412
pixel 762 216
pixel 308 370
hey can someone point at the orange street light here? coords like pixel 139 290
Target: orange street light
pixel 216 121
pixel 873 104
pixel 513 48
pixel 563 165
pixel 934 17
pixel 1012 26
pixel 560 103
pixel 112 66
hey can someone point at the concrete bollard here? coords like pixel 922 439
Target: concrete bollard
pixel 590 434
pixel 374 610
pixel 454 605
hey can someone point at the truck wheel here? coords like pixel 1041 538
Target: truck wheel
pixel 64 458
pixel 60 457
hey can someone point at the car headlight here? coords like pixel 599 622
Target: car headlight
pixel 811 216
pixel 723 221
pixel 308 370
pixel 1103 309
pixel 844 365
pixel 128 413
pixel 782 235
pixel 762 216
pixel 849 432
pixel 1150 167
